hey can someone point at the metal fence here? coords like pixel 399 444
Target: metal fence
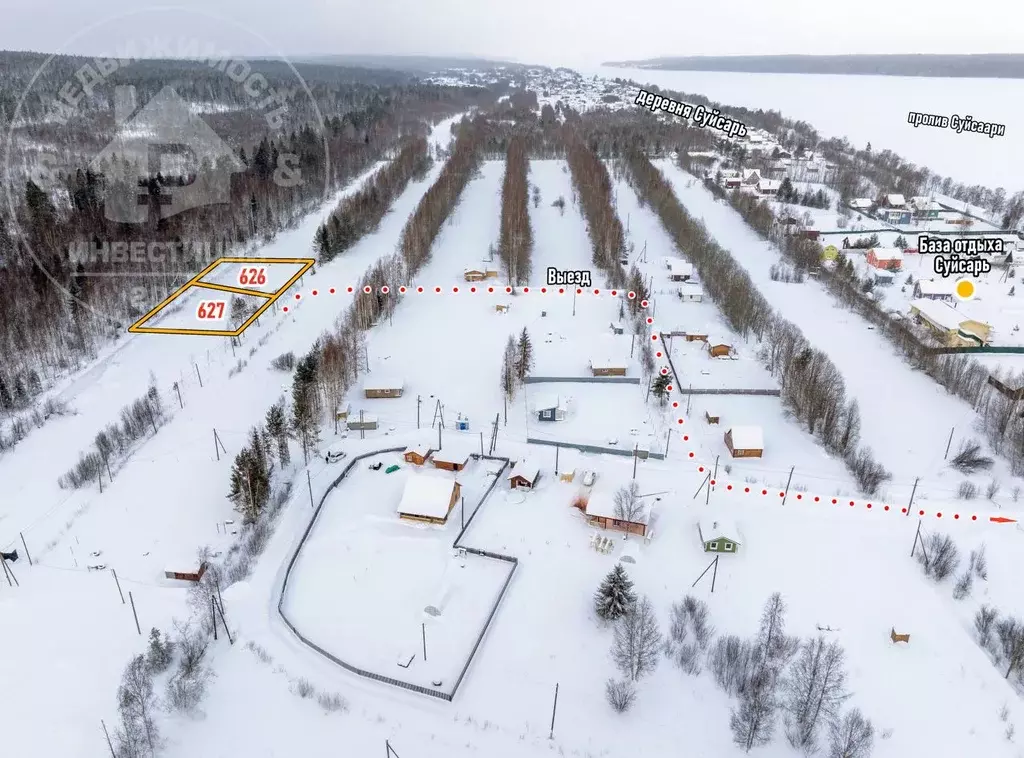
pixel 762 392
pixel 583 379
pixel 514 562
pixel 627 452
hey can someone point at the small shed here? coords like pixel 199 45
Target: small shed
pixel 617 327
pixel 451 459
pixel 524 475
pixel 501 308
pixel 417 455
pixel 474 274
pixel 718 348
pixel 567 476
pixel 745 441
pixel 365 422
pixel 428 498
pixel 186 570
pixel 712 417
pixel 384 387
pixel 342 411
pixel 691 292
pixel 549 407
pixel 718 536
pixel 935 289
pixel 601 512
pixel 608 367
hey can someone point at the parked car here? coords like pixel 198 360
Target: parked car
pixel 588 479
pixel 334 453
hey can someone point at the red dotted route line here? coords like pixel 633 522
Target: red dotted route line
pixel 799 496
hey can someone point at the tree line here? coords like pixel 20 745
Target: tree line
pixel 360 214
pixel 593 186
pixel 515 241
pixel 811 385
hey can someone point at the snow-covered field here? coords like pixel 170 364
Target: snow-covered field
pixel 363 579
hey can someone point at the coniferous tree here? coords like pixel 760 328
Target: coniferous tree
pixel 660 387
pixel 509 378
pixel 277 429
pixel 615 596
pixel 524 356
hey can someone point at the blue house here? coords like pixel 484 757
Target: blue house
pixel 549 408
pixel 894 215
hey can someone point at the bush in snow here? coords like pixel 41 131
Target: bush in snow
pixel 731 660
pixel 962 587
pixel 984 625
pixel 967 490
pixel 939 556
pixel 979 562
pixel 852 737
pixel 620 694
pixel 187 686
pixel 1010 633
pixel 284 362
pixel 637 640
pixel 332 702
pixel 970 459
pixel 615 596
pixel 689 634
pixel 304 689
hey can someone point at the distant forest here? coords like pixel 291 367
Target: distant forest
pixel 994 66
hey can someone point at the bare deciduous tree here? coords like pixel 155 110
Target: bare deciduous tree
pixel 637 641
pixel 814 689
pixel 629 506
pixel 852 737
pixel 620 694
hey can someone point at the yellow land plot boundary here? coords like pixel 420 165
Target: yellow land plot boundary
pixel 139 327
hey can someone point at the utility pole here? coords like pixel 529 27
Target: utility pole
pixel 554 708
pixel 362 429
pixel 481 444
pixel 505 398
pixel 418 401
pixel 556 459
pixel 634 460
pixel 714 574
pixel 309 484
pixel 463 509
pixel 438 436
pixel 27 553
pixel 198 375
pixel 574 302
pixel 787 484
pixel 109 743
pixel 218 445
pixel 632 341
pixel 912 493
pixel 178 390
pixel 668 439
pixel 916 535
pixel 689 397
pixel 134 613
pixel 423 627
pixel 944 457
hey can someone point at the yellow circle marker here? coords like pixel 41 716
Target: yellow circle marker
pixel 965 289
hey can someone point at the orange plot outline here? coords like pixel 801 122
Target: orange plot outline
pixel 139 327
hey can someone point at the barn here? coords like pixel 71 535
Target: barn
pixel 718 348
pixel 524 475
pixel 383 388
pixel 745 441
pixel 608 367
pixel 428 498
pixel 890 258
pixel 186 570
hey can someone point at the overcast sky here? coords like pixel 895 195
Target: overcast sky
pixel 573 33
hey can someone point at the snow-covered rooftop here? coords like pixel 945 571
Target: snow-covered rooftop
pixel 938 313
pixel 715 340
pixel 747 437
pixel 383 383
pixel 936 286
pixel 680 268
pixel 887 253
pixel 605 363
pixel 545 401
pixel 426 495
pixel 421 450
pixel 766 185
pixel 525 469
pixel 717 528
pixel 861 202
pixel 602 505
pixel 895 200
pixel 452 452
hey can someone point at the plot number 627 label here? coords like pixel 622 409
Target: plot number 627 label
pixel 252 276
pixel 210 310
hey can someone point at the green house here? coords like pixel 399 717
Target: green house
pixel 719 536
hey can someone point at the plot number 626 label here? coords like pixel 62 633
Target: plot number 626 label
pixel 210 310
pixel 252 276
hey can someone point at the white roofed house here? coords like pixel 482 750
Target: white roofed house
pixel 691 292
pixel 452 456
pixel 383 387
pixel 608 366
pixel 680 271
pixel 935 289
pixel 524 475
pixel 745 441
pixel 895 201
pixel 429 498
pixel 602 511
pixel 861 204
pixel 718 535
pixel 769 186
pixel 549 407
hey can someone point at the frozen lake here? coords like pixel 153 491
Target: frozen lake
pixel 874 109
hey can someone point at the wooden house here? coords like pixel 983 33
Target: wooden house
pixel 363 422
pixel 890 258
pixel 896 201
pixel 474 274
pixel 417 455
pixel 524 475
pixel 452 459
pixel 186 570
pixel 718 348
pixel 691 292
pixel 718 536
pixel 383 388
pixel 549 407
pixel 745 441
pixel 949 325
pixel 342 412
pixel 712 417
pixel 501 308
pixel 428 498
pixel 680 271
pixel 861 204
pixel 601 511
pixel 769 187
pixel 894 215
pixel 607 367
